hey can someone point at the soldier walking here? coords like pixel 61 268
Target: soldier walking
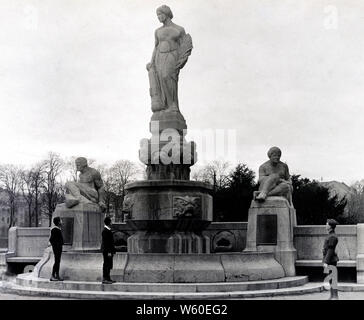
pixel 330 257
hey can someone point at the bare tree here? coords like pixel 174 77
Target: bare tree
pixel 26 187
pixel 10 181
pixel 215 173
pixel 38 185
pixel 355 203
pixel 121 173
pixel 107 178
pixel 53 189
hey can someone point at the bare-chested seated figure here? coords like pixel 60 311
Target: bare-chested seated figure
pixel 274 178
pixel 89 188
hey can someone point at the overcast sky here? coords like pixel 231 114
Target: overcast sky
pixel 284 73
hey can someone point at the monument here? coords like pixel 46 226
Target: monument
pixel 271 215
pixel 274 178
pixel 82 219
pixel 168 211
pixel 82 213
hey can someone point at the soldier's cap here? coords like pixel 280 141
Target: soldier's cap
pixel 332 223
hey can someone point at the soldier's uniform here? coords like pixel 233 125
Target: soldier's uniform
pixel 330 257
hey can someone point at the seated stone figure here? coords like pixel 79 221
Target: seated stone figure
pixel 274 178
pixel 89 188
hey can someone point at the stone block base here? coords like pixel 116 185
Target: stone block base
pixel 82 226
pixel 165 268
pixel 176 242
pixel 270 229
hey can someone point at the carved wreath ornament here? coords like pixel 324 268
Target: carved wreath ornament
pixel 187 206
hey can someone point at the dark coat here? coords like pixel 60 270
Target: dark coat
pixel 329 255
pixel 107 244
pixel 56 238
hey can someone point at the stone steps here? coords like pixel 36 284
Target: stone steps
pixel 116 295
pixel 350 287
pixel 28 280
pixel 27 284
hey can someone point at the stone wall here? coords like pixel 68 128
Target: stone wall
pixel 309 240
pixel 225 236
pixel 28 242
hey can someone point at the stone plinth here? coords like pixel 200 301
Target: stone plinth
pixel 169 216
pixel 270 229
pixel 82 226
pixel 154 200
pixel 165 268
pixel 167 154
pixel 166 119
pixel 168 242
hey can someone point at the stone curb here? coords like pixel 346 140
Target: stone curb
pixel 27 280
pixel 96 295
pixel 350 287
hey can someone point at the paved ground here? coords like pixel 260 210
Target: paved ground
pixel 317 296
pixel 312 296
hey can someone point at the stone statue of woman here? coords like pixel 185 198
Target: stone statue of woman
pixel 172 49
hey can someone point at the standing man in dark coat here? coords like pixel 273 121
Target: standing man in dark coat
pixel 330 257
pixel 56 240
pixel 108 250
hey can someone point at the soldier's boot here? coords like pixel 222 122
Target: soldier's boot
pixel 334 295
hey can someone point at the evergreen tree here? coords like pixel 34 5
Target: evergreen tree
pixel 313 203
pixel 232 202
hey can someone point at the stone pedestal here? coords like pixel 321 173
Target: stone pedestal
pixel 168 242
pixel 270 229
pixel 167 154
pixel 164 268
pixel 360 253
pixel 169 216
pixel 81 226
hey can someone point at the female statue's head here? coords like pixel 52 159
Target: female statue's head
pixel 166 11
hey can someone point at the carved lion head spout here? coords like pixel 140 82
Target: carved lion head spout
pixel 189 210
pixel 186 207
